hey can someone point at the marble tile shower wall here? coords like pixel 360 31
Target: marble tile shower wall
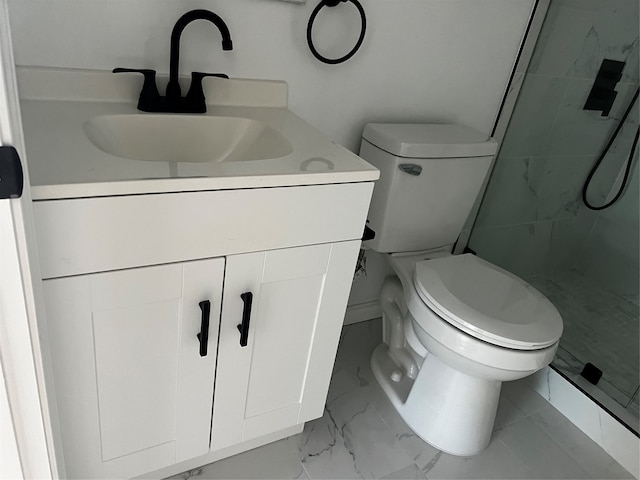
pixel 617 232
pixel 532 218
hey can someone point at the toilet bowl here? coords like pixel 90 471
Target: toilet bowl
pixel 445 358
pixel 454 326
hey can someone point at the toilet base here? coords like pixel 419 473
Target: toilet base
pixel 448 409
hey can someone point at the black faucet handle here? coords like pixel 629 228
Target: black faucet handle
pixel 149 95
pixel 195 95
pixel 201 75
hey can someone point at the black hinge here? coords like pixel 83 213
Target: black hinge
pixel 11 177
pixel 368 234
pixel 591 373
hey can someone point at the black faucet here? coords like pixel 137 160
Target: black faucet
pixel 193 102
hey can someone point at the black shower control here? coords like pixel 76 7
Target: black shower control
pixel 603 92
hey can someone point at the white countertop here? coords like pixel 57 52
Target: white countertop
pixel 63 163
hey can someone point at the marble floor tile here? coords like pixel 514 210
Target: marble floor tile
pixel 507 413
pixel 350 441
pixel 342 382
pixel 538 452
pixel 418 450
pixel 578 445
pixel 323 451
pixel 412 472
pixel 375 449
pixel 497 461
pixel 520 394
pixel 354 351
pixel 273 461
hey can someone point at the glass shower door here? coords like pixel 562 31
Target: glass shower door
pixel 532 220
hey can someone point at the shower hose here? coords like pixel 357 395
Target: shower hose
pixel 629 162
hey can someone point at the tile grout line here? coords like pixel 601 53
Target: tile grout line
pixel 568 457
pixel 526 467
pixel 549 437
pixel 294 449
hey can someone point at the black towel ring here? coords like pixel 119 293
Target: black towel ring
pixel 314 14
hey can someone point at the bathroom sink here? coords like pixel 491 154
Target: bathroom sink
pixel 186 138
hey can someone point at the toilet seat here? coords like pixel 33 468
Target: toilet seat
pixel 487 302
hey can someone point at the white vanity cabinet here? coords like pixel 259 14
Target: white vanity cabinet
pixel 134 383
pixel 125 278
pixel 132 239
pixel 280 377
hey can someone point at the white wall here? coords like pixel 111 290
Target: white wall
pixel 422 60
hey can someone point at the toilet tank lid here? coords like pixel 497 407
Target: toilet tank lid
pixel 429 140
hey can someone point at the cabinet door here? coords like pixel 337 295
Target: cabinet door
pixel 134 392
pixel 281 377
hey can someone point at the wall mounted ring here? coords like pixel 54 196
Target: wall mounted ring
pixel 314 14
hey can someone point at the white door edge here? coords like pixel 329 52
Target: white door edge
pixel 27 444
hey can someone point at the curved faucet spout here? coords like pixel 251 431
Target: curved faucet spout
pixel 173 87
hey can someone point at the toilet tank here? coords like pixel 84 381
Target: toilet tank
pixel 430 177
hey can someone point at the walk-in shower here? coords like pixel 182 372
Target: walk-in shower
pixel 533 221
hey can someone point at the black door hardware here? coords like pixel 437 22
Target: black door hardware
pixel 203 336
pixel 243 328
pixel 368 234
pixel 11 176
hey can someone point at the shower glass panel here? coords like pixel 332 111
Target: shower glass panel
pixel 532 220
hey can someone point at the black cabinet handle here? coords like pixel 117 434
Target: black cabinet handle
pixel 203 336
pixel 247 298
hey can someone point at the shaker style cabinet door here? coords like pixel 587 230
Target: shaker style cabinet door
pixel 281 320
pixel 134 367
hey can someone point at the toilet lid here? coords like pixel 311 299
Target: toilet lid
pixel 488 302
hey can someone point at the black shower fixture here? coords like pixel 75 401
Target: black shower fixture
pixel 603 92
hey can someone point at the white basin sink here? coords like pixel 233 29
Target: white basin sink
pixel 186 138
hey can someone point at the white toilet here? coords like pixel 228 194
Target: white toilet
pixel 455 326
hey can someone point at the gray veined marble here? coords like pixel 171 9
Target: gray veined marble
pixel 535 247
pixel 579 132
pixel 532 189
pixel 274 461
pixel 530 127
pixel 351 437
pixel 577 35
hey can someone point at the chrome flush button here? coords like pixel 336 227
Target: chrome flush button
pixel 411 168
